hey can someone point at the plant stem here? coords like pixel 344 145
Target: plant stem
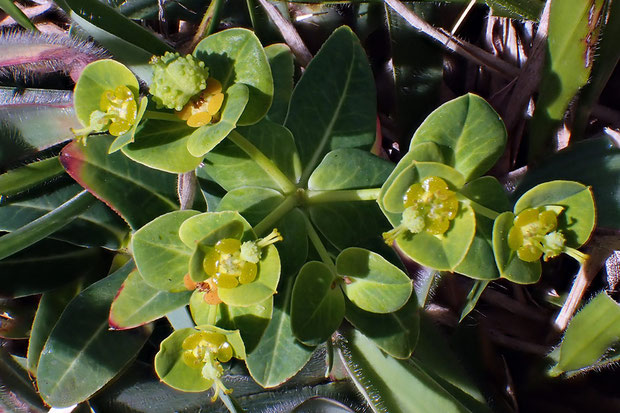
pixel 265 163
pixel 576 254
pixel 154 114
pixel 478 208
pixel 231 404
pixel 274 216
pixel 319 197
pixel 318 245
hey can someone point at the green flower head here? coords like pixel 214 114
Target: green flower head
pixel 429 206
pixel 230 263
pixel 176 79
pixel 534 233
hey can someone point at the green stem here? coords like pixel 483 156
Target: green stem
pixel 478 208
pixel 576 254
pixel 263 162
pixel 231 404
pixel 20 179
pixel 274 216
pixel 318 245
pixel 154 114
pixel 319 197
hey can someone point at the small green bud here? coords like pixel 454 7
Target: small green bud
pixel 553 244
pixel 176 79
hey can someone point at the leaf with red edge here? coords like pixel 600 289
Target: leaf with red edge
pixel 137 193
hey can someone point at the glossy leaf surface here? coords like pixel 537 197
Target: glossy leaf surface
pixel 161 257
pixel 236 56
pixel 139 194
pixel 81 345
pixel 350 169
pixel 334 96
pixel 279 355
pixel 371 282
pixel 137 303
pixel 194 230
pixel 282 68
pixel 469 132
pixel 395 333
pixel 317 306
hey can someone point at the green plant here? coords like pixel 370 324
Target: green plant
pixel 260 208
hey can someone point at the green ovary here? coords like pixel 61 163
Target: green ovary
pixel 534 233
pixel 176 79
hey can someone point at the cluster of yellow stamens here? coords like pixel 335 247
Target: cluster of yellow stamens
pixel 205 109
pixel 534 233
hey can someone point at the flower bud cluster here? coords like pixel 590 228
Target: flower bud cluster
pixel 534 233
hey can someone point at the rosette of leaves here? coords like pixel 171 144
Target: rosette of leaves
pixel 551 218
pixel 235 61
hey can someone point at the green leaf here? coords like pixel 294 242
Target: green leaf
pixel 161 257
pixel 45 225
pixel 253 202
pixel 469 132
pixel 137 303
pixel 317 305
pixel 594 162
pixel 395 333
pixel 96 226
pixel 17 14
pixel 509 264
pixel 205 138
pixel 321 404
pixel 336 95
pixel 251 321
pixel 391 385
pixel 571 44
pixel 589 335
pixel 282 68
pixel 81 345
pixel 24 177
pixel 97 78
pixel 263 287
pixel 479 263
pixel 350 169
pixel 472 298
pixel 516 9
pixel 27 272
pixel 279 355
pixel 232 168
pixel 235 56
pixel 443 253
pixel 139 194
pixel 393 200
pixel 163 145
pixel 371 282
pixel 578 218
pixel 195 229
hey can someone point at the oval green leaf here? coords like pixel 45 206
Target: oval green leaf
pixel 81 346
pixel 137 303
pixel 469 132
pixel 163 145
pixel 317 306
pixel 161 257
pixel 281 61
pixel 371 282
pixel 235 56
pixel 198 227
